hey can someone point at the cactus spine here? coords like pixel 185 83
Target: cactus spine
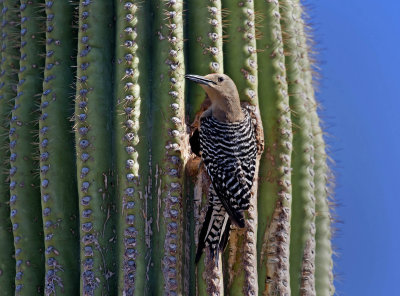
pixel 93 125
pixel 57 175
pixel 8 83
pixel 126 176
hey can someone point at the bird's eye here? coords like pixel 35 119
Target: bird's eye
pixel 220 79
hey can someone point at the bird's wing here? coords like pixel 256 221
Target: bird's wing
pixel 229 154
pixel 232 188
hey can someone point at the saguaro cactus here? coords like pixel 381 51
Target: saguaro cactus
pixel 93 101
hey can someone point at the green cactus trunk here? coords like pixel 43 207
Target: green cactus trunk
pixel 114 158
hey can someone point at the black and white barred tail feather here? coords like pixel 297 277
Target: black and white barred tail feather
pixel 229 153
pixel 216 228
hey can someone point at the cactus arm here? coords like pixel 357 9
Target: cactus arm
pixel 24 189
pixel 168 148
pixel 274 201
pixel 240 63
pixel 131 145
pixel 58 178
pixel 93 124
pixel 8 81
pixel 303 204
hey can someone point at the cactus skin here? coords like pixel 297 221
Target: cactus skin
pixel 168 160
pixel 8 83
pixel 131 153
pixel 93 124
pixel 24 186
pixel 241 65
pixel 58 176
pixel 274 201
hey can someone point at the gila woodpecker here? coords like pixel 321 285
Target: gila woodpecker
pixel 228 149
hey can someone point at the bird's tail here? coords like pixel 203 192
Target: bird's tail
pixel 215 231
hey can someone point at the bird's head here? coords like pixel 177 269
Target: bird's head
pixel 219 87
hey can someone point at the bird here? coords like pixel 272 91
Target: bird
pixel 226 142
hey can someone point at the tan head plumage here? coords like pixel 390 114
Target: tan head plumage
pixel 224 96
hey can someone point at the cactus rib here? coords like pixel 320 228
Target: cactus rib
pixel 323 249
pixel 130 157
pixel 303 204
pixel 58 178
pixel 168 147
pixel 274 202
pixel 8 81
pixel 24 186
pixel 93 125
pixel 241 65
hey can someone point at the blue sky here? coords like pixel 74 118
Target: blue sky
pixel 359 44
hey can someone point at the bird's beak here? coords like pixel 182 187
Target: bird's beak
pixel 199 79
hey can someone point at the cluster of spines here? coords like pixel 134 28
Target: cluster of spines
pixel 58 193
pixel 127 111
pixel 214 44
pixel 8 81
pixel 93 145
pixel 24 189
pixel 275 174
